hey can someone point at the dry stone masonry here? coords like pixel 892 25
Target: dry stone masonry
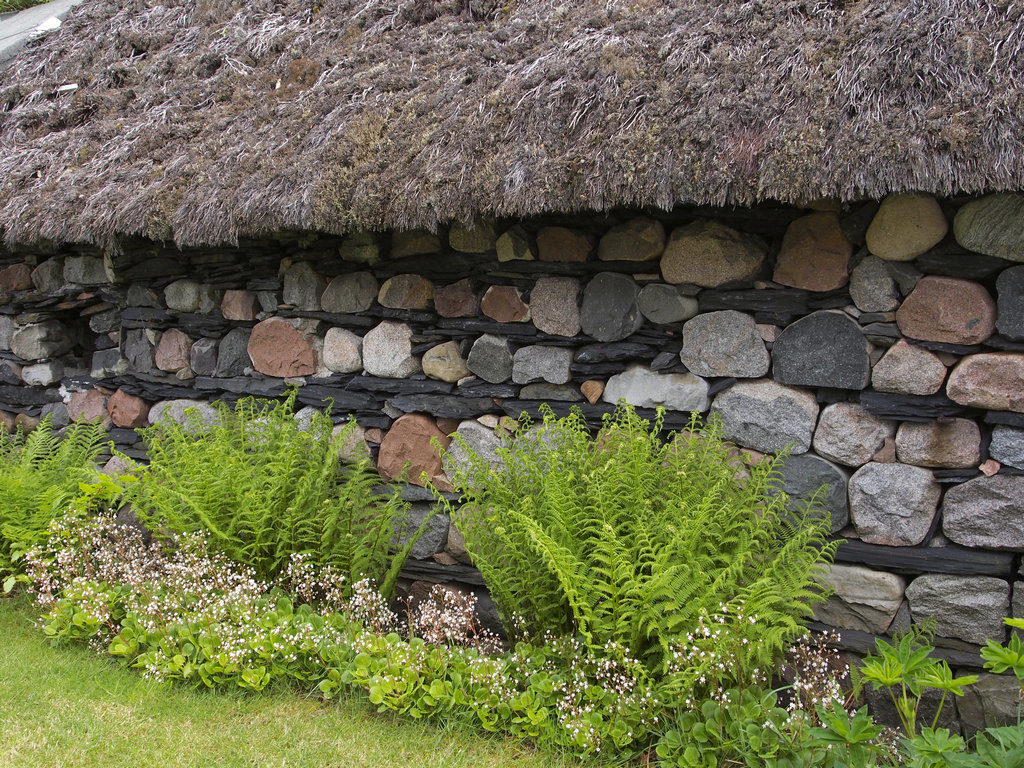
pixel 880 344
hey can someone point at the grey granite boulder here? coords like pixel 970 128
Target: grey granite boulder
pixel 968 608
pixel 491 359
pixel 541 363
pixel 848 434
pixel 767 416
pixel 724 343
pixel 986 512
pixel 893 504
pixel 1007 446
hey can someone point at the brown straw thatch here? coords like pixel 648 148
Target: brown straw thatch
pixel 206 121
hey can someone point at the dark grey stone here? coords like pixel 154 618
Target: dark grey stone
pixel 107 363
pixel 614 352
pixel 434 536
pixel 491 359
pixel 10 373
pixel 610 311
pixel 546 392
pixel 202 357
pixel 665 304
pixel 990 702
pixel 141 296
pixel 824 349
pixel 58 412
pixel 443 406
pixel 232 354
pixel 804 475
pixel 1010 304
pixel 105 322
pixel 303 287
pixel 138 349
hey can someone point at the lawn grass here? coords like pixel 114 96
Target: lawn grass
pixel 18 5
pixel 68 707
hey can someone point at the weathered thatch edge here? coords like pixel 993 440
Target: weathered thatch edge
pixel 205 123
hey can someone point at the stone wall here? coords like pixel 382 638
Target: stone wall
pixel 883 342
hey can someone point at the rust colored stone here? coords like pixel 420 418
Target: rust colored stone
pixel 592 389
pixel 172 353
pixel 815 254
pixel 406 292
pixel 504 304
pixel 239 305
pixel 456 300
pixel 887 453
pixel 277 348
pixel 949 310
pixel 564 244
pixel 406 452
pixel 127 411
pixel 17 277
pixel 89 406
pixel 994 381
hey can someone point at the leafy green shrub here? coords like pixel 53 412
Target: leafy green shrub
pixel 39 477
pixel 633 540
pixel 266 487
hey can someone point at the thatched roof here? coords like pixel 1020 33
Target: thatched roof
pixel 204 122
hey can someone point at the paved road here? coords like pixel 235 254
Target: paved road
pixel 17 28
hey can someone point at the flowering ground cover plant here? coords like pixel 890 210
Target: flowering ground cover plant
pixel 592 547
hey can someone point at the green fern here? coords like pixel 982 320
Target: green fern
pixel 265 488
pixel 630 539
pixel 40 476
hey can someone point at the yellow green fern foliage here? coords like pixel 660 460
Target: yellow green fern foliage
pixel 630 540
pixel 265 487
pixel 40 475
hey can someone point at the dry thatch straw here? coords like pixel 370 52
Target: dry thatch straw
pixel 206 121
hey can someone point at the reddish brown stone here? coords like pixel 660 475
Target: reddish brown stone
pixel 950 445
pixel 564 244
pixel 504 304
pixel 7 420
pixel 815 254
pixel 17 277
pixel 948 310
pixel 406 452
pixel 278 348
pixel 25 422
pixel 89 406
pixel 172 353
pixel 456 300
pixel 406 292
pixel 239 305
pixel 448 426
pixel 887 453
pixel 373 435
pixel 990 467
pixel 592 389
pixel 993 380
pixel 126 410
